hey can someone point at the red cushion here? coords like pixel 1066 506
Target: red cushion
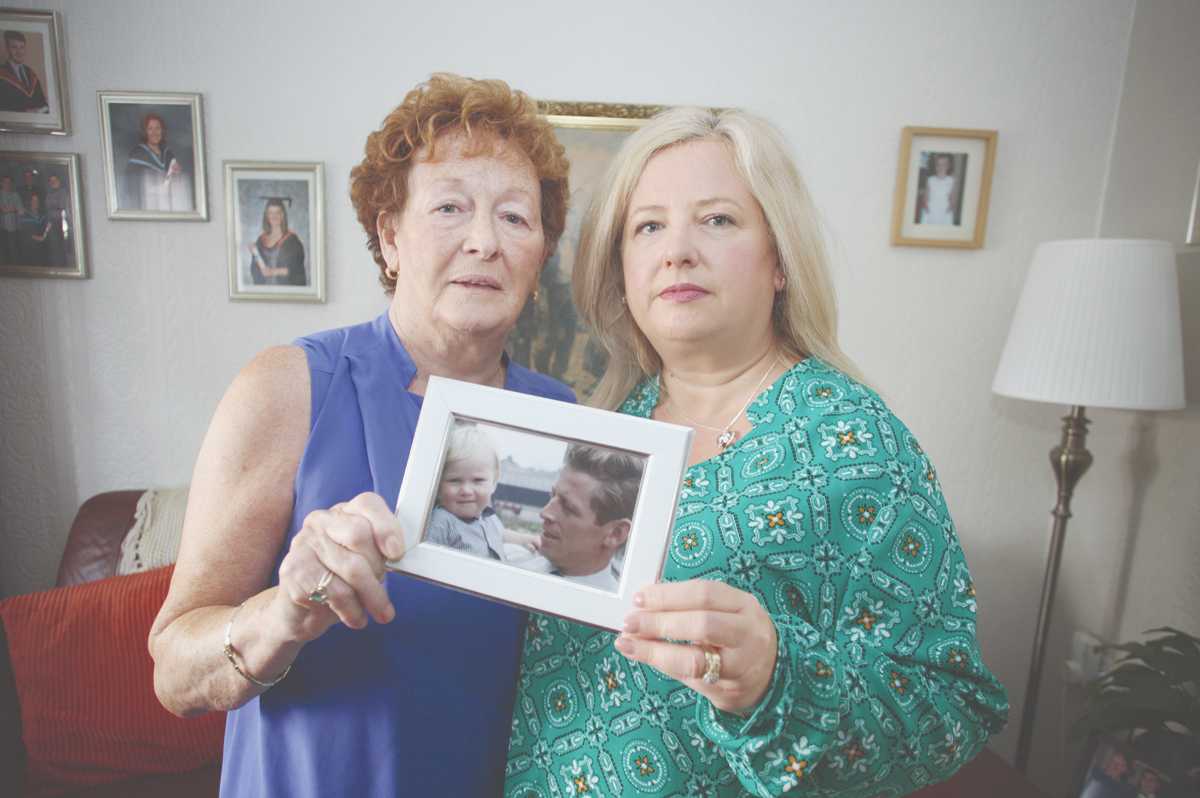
pixel 84 680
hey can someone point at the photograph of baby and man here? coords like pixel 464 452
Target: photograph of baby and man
pixel 536 502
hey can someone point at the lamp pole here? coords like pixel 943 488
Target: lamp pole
pixel 1070 459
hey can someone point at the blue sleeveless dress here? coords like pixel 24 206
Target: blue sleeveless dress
pixel 418 707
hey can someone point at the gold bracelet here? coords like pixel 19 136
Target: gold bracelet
pixel 232 656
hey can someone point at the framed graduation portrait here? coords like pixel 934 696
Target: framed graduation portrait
pixel 41 215
pixel 153 155
pixel 33 75
pixel 274 225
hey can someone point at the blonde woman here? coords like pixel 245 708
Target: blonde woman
pixel 815 630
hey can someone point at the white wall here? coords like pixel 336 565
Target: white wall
pixel 108 383
pixel 1151 184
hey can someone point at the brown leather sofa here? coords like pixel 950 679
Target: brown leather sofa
pixel 92 552
pixel 94 542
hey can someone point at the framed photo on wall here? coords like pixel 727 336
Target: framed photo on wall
pixel 539 503
pixel 274 225
pixel 549 336
pixel 943 184
pixel 33 76
pixel 153 155
pixel 41 215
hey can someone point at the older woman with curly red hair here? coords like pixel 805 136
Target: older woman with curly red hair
pixel 342 679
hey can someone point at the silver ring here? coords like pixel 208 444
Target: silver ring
pixel 319 594
pixel 712 667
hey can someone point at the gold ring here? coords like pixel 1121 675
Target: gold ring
pixel 319 594
pixel 712 667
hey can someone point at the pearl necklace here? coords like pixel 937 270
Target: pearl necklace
pixel 727 435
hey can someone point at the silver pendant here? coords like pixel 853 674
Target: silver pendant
pixel 726 438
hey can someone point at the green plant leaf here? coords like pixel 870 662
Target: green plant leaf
pixel 1153 683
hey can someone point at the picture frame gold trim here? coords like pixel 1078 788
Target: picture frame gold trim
pixel 71 161
pixel 903 188
pixel 601 116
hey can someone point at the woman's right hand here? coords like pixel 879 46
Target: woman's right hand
pixel 352 540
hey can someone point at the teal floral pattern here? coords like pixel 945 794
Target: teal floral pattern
pixel 829 512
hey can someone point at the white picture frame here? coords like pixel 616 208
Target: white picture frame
pixel 664 448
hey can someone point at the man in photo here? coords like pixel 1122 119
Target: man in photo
pixel 29 189
pixel 20 87
pixel 587 520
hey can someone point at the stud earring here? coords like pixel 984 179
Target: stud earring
pixel 536 294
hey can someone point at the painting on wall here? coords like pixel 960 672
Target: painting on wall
pixel 33 80
pixel 153 155
pixel 549 336
pixel 943 184
pixel 274 224
pixel 41 217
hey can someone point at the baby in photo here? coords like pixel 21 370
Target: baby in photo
pixel 463 517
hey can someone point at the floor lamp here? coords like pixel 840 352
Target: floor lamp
pixel 1097 325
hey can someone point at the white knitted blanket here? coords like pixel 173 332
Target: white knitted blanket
pixel 153 540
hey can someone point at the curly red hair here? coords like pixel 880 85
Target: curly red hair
pixel 448 103
pixel 153 117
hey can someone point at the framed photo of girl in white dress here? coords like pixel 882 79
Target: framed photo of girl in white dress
pixel 153 155
pixel 274 225
pixel 943 183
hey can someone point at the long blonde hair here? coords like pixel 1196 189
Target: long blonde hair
pixel 804 313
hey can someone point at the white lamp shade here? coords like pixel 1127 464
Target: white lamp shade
pixel 1097 325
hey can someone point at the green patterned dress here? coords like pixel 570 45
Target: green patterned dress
pixel 829 512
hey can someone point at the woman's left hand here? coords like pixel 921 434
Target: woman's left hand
pixel 713 616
